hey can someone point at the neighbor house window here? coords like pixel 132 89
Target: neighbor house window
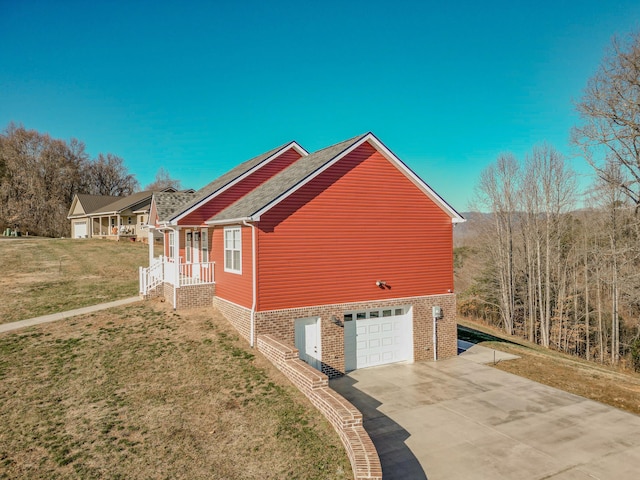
pixel 172 244
pixel 232 250
pixel 187 250
pixel 205 245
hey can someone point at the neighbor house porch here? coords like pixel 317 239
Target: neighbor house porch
pixel 114 227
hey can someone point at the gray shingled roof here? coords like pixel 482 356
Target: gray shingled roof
pixel 92 203
pixel 122 203
pixel 283 182
pixel 223 180
pixel 169 202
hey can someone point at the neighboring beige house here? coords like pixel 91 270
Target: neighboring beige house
pixel 114 218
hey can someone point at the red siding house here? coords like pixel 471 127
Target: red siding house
pixel 344 252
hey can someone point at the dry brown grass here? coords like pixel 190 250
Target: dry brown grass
pixel 143 392
pixel 40 276
pixel 602 383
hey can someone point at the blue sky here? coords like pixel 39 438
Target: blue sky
pixel 197 87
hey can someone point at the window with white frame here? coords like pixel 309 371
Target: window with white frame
pixel 232 250
pixel 205 245
pixel 187 250
pixel 172 245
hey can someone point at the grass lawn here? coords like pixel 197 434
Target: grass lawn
pixel 620 389
pixel 143 392
pixel 43 275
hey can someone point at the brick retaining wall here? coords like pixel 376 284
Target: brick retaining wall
pixel 345 418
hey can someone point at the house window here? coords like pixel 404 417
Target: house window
pixel 187 250
pixel 232 250
pixel 205 245
pixel 172 245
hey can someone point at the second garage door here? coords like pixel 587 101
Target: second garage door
pixel 377 337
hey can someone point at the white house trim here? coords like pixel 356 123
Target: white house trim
pixel 236 180
pixel 378 145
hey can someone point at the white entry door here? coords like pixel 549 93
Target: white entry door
pixel 307 341
pixel 378 337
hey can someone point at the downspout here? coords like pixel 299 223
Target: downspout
pixel 254 282
pixel 435 338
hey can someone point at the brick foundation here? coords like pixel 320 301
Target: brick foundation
pixel 238 316
pixel 188 296
pixel 158 291
pixel 280 323
pixel 343 416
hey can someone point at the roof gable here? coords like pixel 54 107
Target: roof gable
pixel 164 204
pixel 284 182
pixel 265 197
pixel 84 204
pixel 229 179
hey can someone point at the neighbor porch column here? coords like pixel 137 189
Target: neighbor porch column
pixel 150 240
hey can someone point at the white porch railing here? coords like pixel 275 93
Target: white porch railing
pixel 165 270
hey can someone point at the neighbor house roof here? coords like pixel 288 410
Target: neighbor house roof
pixel 211 189
pixel 270 193
pixel 90 203
pixel 168 203
pixel 124 203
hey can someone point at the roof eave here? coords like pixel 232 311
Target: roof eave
pixel 297 147
pixel 311 176
pixel 228 221
pixel 381 147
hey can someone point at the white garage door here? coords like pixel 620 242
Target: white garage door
pixel 378 337
pixel 80 230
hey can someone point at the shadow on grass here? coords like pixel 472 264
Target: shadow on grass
pixel 397 460
pixel 476 336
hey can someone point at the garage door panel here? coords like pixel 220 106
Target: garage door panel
pixel 381 338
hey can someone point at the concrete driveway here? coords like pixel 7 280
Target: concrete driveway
pixel 460 420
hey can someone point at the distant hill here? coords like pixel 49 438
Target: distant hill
pixel 463 232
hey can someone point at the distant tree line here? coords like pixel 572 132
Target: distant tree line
pixel 566 278
pixel 39 176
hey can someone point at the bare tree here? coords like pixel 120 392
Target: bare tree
pixel 163 180
pixel 108 175
pixel 610 113
pixel 40 176
pixel 497 192
pixel 550 192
